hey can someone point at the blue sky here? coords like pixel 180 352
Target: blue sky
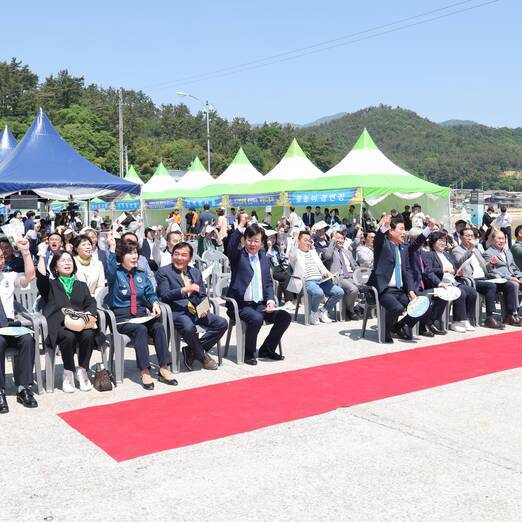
pixel 465 66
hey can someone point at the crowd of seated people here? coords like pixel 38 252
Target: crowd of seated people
pixel 404 255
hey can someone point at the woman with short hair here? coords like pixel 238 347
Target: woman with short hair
pixel 89 269
pixel 131 294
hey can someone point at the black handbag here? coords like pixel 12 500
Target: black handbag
pixel 102 378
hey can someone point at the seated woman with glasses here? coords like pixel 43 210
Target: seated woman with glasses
pixel 131 294
pixel 66 291
pixel 89 269
pixel 441 272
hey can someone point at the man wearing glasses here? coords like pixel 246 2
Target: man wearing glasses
pixel 181 286
pixel 251 285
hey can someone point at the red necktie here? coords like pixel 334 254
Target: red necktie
pixel 134 306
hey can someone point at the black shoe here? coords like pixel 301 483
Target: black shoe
pixel 388 339
pixel 404 333
pixel 4 407
pixel 426 333
pixel 252 361
pixel 437 329
pixel 170 382
pixel 267 354
pixel 188 357
pixel 26 398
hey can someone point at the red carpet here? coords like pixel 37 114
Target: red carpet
pixel 133 428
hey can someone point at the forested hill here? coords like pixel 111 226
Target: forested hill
pixel 87 117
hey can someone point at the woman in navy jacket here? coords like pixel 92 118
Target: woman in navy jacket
pixel 441 271
pixel 131 294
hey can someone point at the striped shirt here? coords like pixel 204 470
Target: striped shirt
pixel 312 271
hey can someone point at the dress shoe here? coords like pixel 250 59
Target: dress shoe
pixel 188 357
pixel 512 320
pixel 209 363
pixel 26 398
pixel 437 329
pixel 492 323
pixel 252 361
pixel 388 339
pixel 353 316
pixel 404 332
pixel 268 354
pixel 4 407
pixel 426 333
pixel 166 377
pixel 146 381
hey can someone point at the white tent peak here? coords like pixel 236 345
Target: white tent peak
pixel 294 165
pixel 160 181
pixel 240 171
pixel 196 177
pixel 366 159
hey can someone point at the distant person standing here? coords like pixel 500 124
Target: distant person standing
pixel 318 216
pixel 309 217
pixel 206 218
pixel 406 216
pixel 293 218
pixel 417 216
pixel 488 217
pixel 504 221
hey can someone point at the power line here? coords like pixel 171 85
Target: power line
pixel 323 46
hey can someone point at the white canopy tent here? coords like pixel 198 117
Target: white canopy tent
pixel 196 177
pixel 240 171
pixel 294 165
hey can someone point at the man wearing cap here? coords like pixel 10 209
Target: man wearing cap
pixel 319 237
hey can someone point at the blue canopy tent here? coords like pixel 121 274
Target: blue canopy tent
pixel 45 163
pixel 7 144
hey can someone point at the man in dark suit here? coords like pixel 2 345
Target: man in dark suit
pixel 392 277
pixel 251 285
pixel 181 286
pixel 309 217
pixel 205 218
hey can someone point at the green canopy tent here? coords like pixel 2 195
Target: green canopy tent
pixel 133 176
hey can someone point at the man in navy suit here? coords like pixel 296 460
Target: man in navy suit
pixel 181 286
pixel 392 277
pixel 309 217
pixel 252 287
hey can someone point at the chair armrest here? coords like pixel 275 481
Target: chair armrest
pixel 231 300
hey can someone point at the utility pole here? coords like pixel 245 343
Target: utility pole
pixel 207 113
pixel 126 159
pixel 120 131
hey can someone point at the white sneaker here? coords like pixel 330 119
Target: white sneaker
pixel 290 306
pixel 68 382
pixel 469 327
pixel 323 316
pixel 314 317
pixel 83 379
pixel 458 326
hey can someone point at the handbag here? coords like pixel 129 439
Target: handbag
pixel 102 378
pixel 74 320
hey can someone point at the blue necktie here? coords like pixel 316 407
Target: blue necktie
pixel 398 275
pixel 255 279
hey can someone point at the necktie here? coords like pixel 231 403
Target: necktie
pixel 255 279
pixel 133 301
pixel 3 318
pixel 343 263
pixel 421 262
pixel 190 306
pixel 398 275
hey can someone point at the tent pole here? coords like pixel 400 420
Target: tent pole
pixel 361 207
pixel 88 223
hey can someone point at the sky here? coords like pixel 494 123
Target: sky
pixel 464 66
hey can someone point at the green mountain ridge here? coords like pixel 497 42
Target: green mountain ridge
pixel 87 117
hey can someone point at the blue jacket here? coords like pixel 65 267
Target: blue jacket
pixel 384 264
pixel 119 288
pixel 415 254
pixel 434 272
pixel 242 271
pixel 170 284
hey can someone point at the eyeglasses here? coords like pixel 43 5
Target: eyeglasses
pixel 253 241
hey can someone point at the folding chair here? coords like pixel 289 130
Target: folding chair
pixel 221 289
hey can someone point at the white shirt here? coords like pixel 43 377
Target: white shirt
pixel 478 273
pixel 249 293
pixel 8 282
pixel 417 220
pixel 504 220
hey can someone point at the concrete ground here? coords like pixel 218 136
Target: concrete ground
pixel 447 453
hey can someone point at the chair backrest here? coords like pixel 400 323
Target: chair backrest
pixel 221 285
pixel 361 275
pixel 101 295
pixel 216 257
pixel 27 296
